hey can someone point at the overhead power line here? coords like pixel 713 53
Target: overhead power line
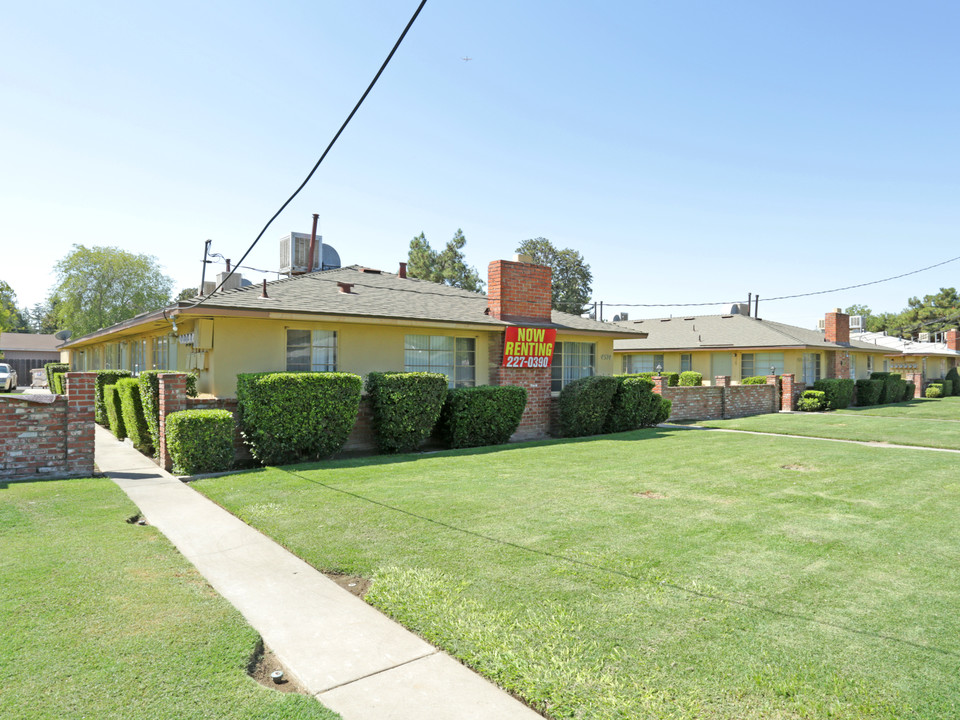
pixel 303 184
pixel 787 297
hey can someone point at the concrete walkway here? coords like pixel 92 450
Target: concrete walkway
pixel 349 656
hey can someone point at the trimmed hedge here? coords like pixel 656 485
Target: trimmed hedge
pixel 60 383
pixel 134 420
pixel 934 390
pixel 406 407
pixel 673 379
pixel 953 375
pixel 754 380
pixel 812 401
pixel 892 389
pixel 114 412
pixel 838 392
pixel 947 388
pixel 663 413
pixel 633 405
pixel 868 392
pixel 690 378
pixel 291 416
pixel 911 390
pixel 55 367
pixel 200 441
pixel 483 415
pixel 585 404
pixel 104 378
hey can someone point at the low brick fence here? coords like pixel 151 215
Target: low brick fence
pixel 720 400
pixel 48 436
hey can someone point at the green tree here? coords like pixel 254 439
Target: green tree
pixel 187 294
pixel 571 275
pixel 935 313
pixel 42 318
pixel 447 267
pixel 11 319
pixel 100 286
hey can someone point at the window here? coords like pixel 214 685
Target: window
pixel 639 363
pixel 311 350
pixel 869 365
pixel 811 368
pixel 572 361
pixel 164 353
pixel 455 357
pixel 853 367
pixel 686 362
pixel 139 350
pixel 752 364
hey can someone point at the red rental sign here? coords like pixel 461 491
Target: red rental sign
pixel 529 347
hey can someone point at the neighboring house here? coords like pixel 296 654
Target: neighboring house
pixel 25 352
pixel 741 346
pixel 359 320
pixel 908 357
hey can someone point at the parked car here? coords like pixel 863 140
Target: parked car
pixel 8 378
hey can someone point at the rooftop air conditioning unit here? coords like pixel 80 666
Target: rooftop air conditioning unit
pixel 924 337
pixel 822 325
pixel 294 249
pixel 234 282
pixel 856 323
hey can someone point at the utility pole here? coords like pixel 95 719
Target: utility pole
pixel 203 275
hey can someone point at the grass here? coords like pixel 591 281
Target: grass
pixel 661 574
pixel 104 619
pixel 927 423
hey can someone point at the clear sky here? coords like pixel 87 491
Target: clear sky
pixel 693 152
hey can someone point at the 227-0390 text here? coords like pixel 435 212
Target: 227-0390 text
pixel 528 362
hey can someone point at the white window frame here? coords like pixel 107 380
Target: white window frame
pixel 766 360
pixel 572 361
pixel 641 363
pixel 321 349
pixel 452 355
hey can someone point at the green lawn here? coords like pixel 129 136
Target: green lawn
pixel 663 573
pixel 104 619
pixel 929 423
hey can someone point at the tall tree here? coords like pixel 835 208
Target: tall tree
pixel 571 275
pixel 42 318
pixel 11 319
pixel 447 267
pixel 935 313
pixel 100 286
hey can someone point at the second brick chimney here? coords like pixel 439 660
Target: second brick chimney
pixel 518 290
pixel 837 327
pixel 952 338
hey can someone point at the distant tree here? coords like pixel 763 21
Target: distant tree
pixel 571 275
pixel 11 319
pixel 100 286
pixel 871 322
pixel 935 313
pixel 187 294
pixel 447 267
pixel 42 318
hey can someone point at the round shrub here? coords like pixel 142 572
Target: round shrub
pixel 690 378
pixel 200 441
pixel 868 392
pixel 953 375
pixel 633 405
pixel 406 406
pixel 934 391
pixel 585 403
pixel 812 401
pixel 483 415
pixel 291 416
pixel 947 388
pixel 911 390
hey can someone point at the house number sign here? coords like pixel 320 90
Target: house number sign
pixel 528 347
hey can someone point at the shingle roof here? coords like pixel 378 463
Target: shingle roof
pixel 719 331
pixel 382 294
pixel 29 341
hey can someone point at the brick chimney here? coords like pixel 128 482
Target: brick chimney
pixel 518 290
pixel 837 327
pixel 953 339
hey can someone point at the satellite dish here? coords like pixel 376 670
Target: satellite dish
pixel 63 335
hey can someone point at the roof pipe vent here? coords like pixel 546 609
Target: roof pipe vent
pixel 263 294
pixel 403 270
pixel 345 287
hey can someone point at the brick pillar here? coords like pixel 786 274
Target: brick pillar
pixel 535 421
pixel 722 381
pixel 917 380
pixel 841 364
pixel 773 380
pixel 81 398
pixel 786 392
pixel 659 384
pixel 173 398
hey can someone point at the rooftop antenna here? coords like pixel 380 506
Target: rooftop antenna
pixel 203 275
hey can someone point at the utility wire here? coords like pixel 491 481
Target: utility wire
pixel 324 155
pixel 787 297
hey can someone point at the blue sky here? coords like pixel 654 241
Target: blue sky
pixel 693 152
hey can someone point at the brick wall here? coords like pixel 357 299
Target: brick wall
pixel 519 291
pixel 363 436
pixel 718 401
pixel 45 436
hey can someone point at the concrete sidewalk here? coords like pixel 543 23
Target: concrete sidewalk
pixel 350 657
